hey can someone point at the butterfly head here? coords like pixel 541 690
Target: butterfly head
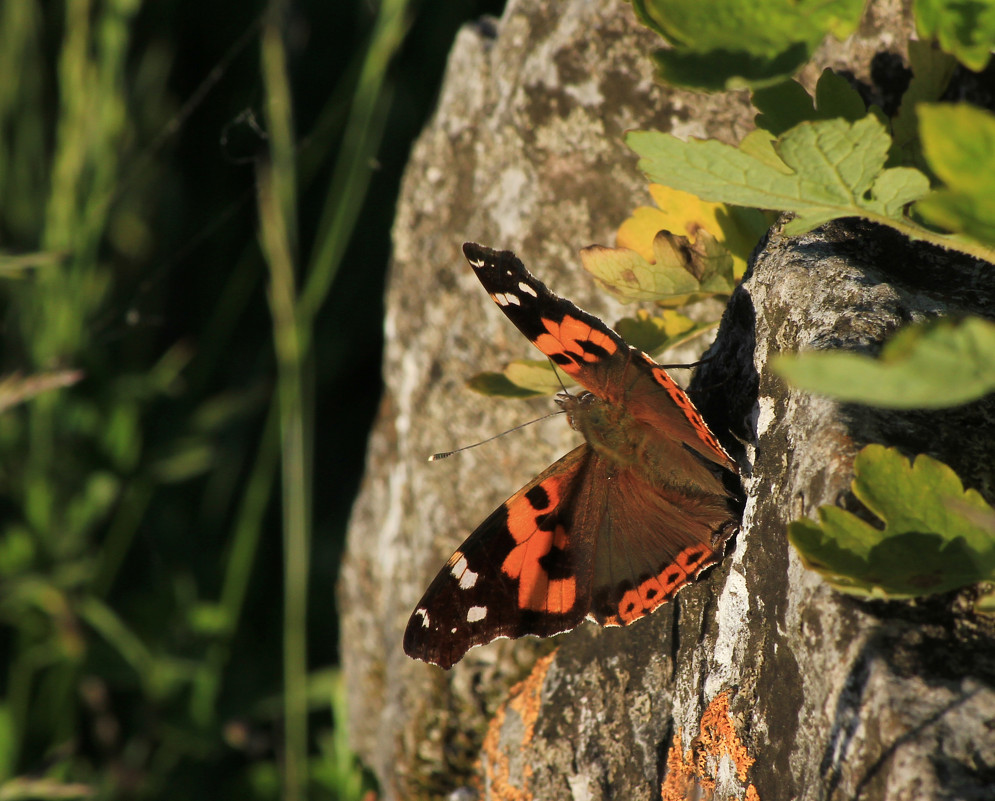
pixel 574 405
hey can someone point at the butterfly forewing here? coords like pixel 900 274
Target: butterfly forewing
pixel 577 342
pixel 653 397
pixel 591 353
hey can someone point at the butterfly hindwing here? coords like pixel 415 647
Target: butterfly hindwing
pixel 656 543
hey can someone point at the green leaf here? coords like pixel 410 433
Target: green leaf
pixel 208 619
pixel 925 366
pixel 522 378
pixel 931 72
pixel 657 333
pixel 680 269
pixel 536 375
pixel 782 106
pixel 631 278
pixel 963 28
pixel 959 145
pixel 737 228
pixel 498 385
pixel 925 545
pixel 835 168
pixel 737 43
pixel 718 70
pixel 18 551
pixel 787 104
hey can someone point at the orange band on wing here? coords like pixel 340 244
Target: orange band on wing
pixel 536 590
pixel 679 396
pixel 660 588
pixel 565 338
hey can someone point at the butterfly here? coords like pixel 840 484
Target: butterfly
pixel 610 531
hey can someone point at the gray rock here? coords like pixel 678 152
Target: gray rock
pixel 832 697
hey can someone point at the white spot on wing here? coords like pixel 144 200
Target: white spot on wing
pixel 462 573
pixel 506 299
pixel 476 262
pixel 424 617
pixel 476 613
pixel 467 580
pixel 527 289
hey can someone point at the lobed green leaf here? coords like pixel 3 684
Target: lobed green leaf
pixel 966 30
pixel 654 334
pixel 926 543
pixel 783 106
pixel 498 385
pixel 738 43
pixel 680 269
pixel 828 169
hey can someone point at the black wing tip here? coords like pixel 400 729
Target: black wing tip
pixel 419 647
pixel 476 252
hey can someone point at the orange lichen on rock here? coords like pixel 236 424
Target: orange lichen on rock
pixel 523 701
pixel 692 774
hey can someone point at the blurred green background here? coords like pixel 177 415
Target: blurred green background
pixel 195 207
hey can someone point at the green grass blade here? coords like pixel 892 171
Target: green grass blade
pixel 278 225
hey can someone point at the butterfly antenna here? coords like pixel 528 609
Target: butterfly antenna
pixel 557 374
pixel 435 457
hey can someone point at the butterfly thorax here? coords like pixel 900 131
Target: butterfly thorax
pixel 626 441
pixel 607 427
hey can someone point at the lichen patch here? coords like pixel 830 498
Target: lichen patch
pixel 509 737
pixel 693 773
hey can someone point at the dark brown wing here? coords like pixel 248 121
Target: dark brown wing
pixel 652 397
pixel 652 541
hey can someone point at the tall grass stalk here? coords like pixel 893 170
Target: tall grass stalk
pixel 353 167
pixel 278 225
pixel 293 318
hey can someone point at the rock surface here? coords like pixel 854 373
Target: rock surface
pixel 784 687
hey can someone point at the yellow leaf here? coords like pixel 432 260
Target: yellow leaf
pixel 681 213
